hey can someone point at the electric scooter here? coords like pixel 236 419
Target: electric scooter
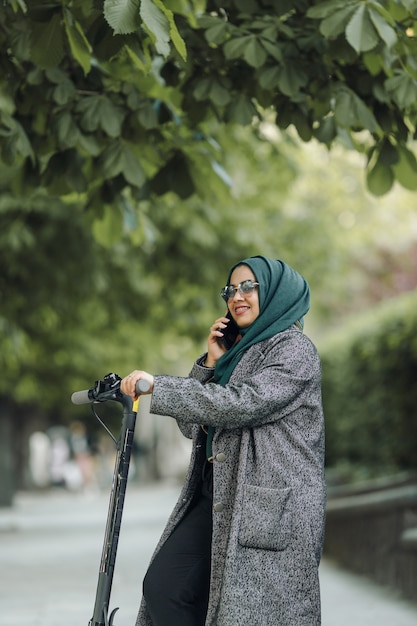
pixel 103 391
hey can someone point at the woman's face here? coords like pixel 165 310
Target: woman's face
pixel 244 308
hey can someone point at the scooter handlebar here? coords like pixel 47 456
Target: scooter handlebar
pixel 86 396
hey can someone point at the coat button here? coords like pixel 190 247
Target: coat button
pixel 218 507
pixel 220 457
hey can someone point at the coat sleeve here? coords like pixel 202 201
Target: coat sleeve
pixel 272 380
pixel 203 375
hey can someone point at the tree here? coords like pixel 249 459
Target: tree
pixel 73 309
pixel 127 168
pixel 109 107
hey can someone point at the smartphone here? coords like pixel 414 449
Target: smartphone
pixel 230 333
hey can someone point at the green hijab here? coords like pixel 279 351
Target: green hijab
pixel 284 299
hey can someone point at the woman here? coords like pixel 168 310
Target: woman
pixel 243 544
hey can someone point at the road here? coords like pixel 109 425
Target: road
pixel 51 543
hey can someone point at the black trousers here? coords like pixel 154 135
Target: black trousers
pixel 176 585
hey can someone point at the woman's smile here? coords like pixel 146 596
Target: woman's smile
pixel 240 309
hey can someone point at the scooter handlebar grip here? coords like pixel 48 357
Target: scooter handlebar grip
pixel 81 397
pixel 142 386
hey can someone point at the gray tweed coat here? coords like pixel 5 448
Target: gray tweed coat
pixel 269 490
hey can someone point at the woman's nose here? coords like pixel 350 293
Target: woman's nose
pixel 238 295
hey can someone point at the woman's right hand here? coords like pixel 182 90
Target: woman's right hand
pixel 215 348
pixel 128 383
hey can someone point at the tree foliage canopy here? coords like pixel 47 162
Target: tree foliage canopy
pixel 129 178
pixel 110 107
pixel 112 103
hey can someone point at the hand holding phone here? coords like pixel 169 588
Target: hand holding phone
pixel 230 333
pixel 223 335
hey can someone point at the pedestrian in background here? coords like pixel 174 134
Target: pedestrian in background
pixel 244 541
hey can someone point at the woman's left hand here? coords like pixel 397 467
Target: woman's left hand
pixel 128 383
pixel 215 347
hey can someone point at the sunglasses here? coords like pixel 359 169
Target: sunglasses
pixel 246 287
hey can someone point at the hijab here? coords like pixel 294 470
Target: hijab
pixel 284 299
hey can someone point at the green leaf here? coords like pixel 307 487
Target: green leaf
pixel 388 154
pixel 291 79
pixel 89 144
pixel 235 48
pixel 16 141
pixel 364 115
pixel 21 44
pixel 122 15
pixel 111 117
pixel 241 110
pixel 79 44
pixel 131 168
pixel 324 9
pixel 100 112
pixel 140 64
pixel 157 25
pixel 56 75
pixel 360 31
pixel 47 46
pixel 327 131
pixel 64 92
pixel 217 33
pixel 63 174
pixel 202 89
pixel 386 14
pixel 269 77
pixel 373 62
pixel 8 151
pixel 207 21
pixel 403 89
pixel 89 107
pixel 255 54
pixel 35 76
pixel 118 159
pixel 21 4
pixel 410 5
pixel 67 130
pixel 273 49
pixel 148 116
pixel 335 24
pixel 219 94
pixel 343 109
pixel 405 169
pixel 109 229
pixel 174 176
pixel 384 30
pixel 7 104
pixel 302 125
pixel 351 111
pixel 112 160
pixel 176 38
pixel 379 177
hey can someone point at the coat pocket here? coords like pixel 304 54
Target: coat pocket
pixel 266 521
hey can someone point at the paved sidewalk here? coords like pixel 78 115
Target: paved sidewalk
pixel 50 547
